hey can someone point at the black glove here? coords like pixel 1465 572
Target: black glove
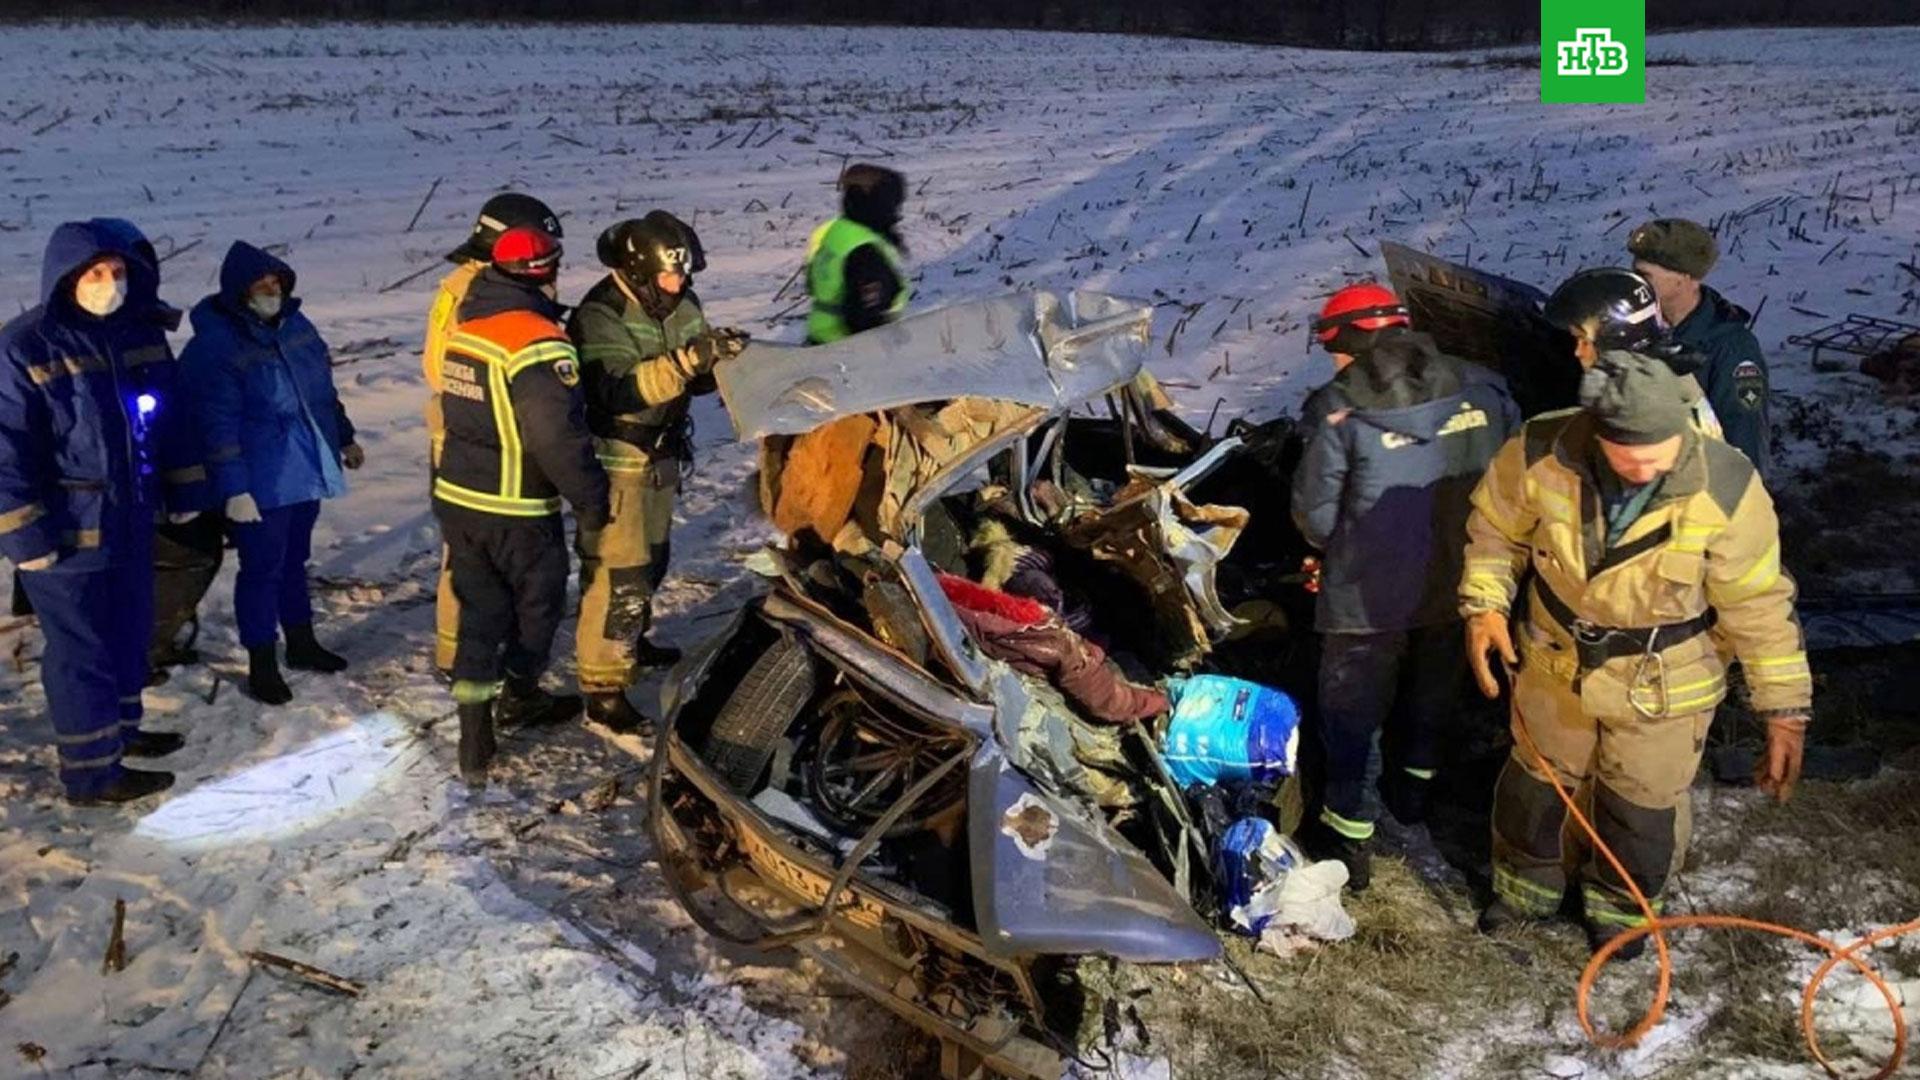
pixel 708 348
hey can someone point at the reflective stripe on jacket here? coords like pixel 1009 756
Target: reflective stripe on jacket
pixel 92 432
pixel 1708 538
pixel 516 433
pixel 636 389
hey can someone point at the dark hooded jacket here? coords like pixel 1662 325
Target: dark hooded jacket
pixel 1394 446
pixel 263 391
pixel 93 441
pixel 1733 372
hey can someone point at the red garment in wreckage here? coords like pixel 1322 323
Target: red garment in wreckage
pixel 1029 637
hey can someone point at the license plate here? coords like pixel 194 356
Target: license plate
pixel 808 884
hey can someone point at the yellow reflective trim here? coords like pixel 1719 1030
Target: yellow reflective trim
pixel 1347 827
pixel 543 352
pixel 494 504
pixel 1528 897
pixel 1560 506
pixel 21 517
pixel 1775 661
pixel 625 466
pixel 1760 576
pixel 1791 677
pixel 478 347
pixel 507 429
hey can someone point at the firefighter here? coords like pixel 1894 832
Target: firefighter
pixel 645 352
pixel 1635 534
pixel 93 443
pixel 1612 308
pixel 1674 255
pixel 500 213
pixel 854 272
pixel 1394 443
pixel 516 443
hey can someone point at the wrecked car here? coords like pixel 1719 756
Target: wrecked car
pixel 847 770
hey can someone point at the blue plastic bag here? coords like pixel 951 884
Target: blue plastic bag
pixel 1230 731
pixel 1251 856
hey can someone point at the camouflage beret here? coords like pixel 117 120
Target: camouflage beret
pixel 1675 243
pixel 1637 400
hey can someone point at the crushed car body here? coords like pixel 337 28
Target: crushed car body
pixel 846 770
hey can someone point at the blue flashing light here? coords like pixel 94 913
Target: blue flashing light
pixel 145 404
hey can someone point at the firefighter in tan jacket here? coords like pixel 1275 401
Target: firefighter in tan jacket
pixel 1641 535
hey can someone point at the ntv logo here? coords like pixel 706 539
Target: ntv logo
pixel 1592 52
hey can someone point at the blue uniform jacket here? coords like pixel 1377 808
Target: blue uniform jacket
pixel 1733 372
pixel 263 392
pixel 1394 446
pixel 93 437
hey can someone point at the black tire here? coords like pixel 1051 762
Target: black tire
pixel 768 700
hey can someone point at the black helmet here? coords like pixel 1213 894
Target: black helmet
pixel 503 212
pixel 1622 302
pixel 661 217
pixel 643 247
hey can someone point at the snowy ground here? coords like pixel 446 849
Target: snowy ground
pixel 524 934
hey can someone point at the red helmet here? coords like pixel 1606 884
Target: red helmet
pixel 529 252
pixel 1368 307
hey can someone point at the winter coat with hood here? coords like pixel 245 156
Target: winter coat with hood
pixel 1733 372
pixel 94 439
pixel 263 391
pixel 1394 446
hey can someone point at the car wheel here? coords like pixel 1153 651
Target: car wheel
pixel 757 714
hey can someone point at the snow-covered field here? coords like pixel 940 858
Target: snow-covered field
pixel 524 934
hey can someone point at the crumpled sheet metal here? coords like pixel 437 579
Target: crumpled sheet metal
pixel 1040 348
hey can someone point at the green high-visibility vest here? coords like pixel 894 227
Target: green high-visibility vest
pixel 827 251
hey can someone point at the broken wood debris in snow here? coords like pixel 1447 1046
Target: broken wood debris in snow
pixel 318 977
pixel 116 957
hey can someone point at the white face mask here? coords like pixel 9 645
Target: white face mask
pixel 265 305
pixel 100 298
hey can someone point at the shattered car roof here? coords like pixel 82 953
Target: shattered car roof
pixel 1041 348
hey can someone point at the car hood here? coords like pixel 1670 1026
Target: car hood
pixel 1040 348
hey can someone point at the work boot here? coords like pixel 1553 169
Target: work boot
pixel 1405 796
pixel 131 784
pixel 477 745
pixel 264 683
pixel 524 704
pixel 1323 842
pixel 139 743
pixel 1598 936
pixel 649 654
pixel 1500 916
pixel 614 712
pixel 305 653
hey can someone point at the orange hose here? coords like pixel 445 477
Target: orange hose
pixel 1656 925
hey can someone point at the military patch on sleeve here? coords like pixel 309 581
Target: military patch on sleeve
pixel 568 372
pixel 1749 385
